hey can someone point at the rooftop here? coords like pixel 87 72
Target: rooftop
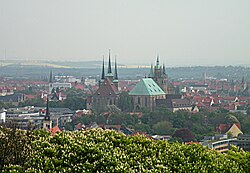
pixel 148 87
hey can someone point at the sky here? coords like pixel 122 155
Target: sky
pixel 181 32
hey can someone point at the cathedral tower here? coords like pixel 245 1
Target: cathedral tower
pixel 159 75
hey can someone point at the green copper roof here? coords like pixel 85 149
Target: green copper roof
pixel 148 87
pixel 109 75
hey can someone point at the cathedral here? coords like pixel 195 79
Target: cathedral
pixel 107 93
pixel 159 75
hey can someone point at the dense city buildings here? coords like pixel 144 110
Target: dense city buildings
pixel 135 104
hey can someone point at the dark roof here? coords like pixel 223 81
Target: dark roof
pixel 174 96
pixel 197 85
pixel 173 103
pixel 107 88
pixel 12 98
pixel 181 103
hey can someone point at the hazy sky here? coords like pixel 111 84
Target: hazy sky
pixel 182 32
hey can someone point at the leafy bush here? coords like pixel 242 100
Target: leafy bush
pixel 99 150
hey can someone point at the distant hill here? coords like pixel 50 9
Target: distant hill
pixel 54 64
pixel 40 70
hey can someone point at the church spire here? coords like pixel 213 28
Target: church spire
pixel 157 63
pixel 50 77
pixel 47 122
pixel 116 74
pixel 164 70
pixel 109 65
pixel 103 73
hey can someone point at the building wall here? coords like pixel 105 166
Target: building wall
pixel 102 102
pixel 146 101
pixel 182 108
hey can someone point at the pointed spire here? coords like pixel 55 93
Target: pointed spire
pixel 164 70
pixel 109 65
pixel 103 73
pixel 47 115
pixel 151 74
pixel 157 63
pixel 116 74
pixel 50 77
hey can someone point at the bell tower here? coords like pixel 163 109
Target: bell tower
pixel 47 122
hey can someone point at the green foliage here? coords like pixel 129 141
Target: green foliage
pixel 99 150
pixel 15 146
pixel 163 128
pixel 142 128
pixel 5 105
pixel 38 101
pixel 184 134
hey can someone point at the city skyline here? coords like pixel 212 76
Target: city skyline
pixel 182 33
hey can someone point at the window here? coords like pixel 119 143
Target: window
pixel 139 100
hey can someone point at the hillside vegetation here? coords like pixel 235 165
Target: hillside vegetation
pixel 98 150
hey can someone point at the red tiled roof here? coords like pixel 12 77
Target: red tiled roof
pixel 106 89
pixel 79 86
pixel 54 130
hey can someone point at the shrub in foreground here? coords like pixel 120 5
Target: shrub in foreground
pixel 99 150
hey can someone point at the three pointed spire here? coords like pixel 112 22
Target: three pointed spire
pixel 116 74
pixel 109 65
pixel 109 74
pixel 103 72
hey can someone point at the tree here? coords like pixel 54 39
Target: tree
pixel 142 128
pixel 14 145
pixel 184 134
pixel 39 102
pixel 163 127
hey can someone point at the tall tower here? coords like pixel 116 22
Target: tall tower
pixel 109 75
pixel 164 80
pixel 115 81
pixel 157 70
pixel 47 122
pixel 103 74
pixel 159 75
